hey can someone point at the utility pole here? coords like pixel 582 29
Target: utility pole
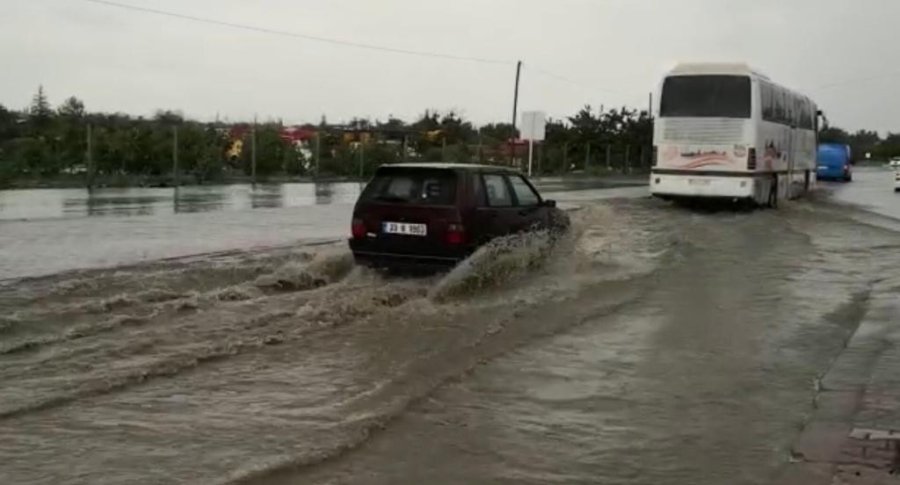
pixel 362 158
pixel 480 148
pixel 587 157
pixel 405 149
pixel 650 107
pixel 253 152
pixel 175 180
pixel 530 154
pixel 90 158
pixel 318 151
pixel 515 114
pixel 627 158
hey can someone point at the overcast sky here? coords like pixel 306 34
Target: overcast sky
pixel 842 53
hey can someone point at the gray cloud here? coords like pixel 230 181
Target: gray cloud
pixel 609 52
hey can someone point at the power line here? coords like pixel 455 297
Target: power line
pixel 581 84
pixel 592 87
pixel 297 35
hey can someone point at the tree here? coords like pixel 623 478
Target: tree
pixel 72 108
pixel 40 113
pixel 497 132
pixel 456 130
pixel 9 125
pixel 830 134
pixel 863 142
pixel 169 117
pixel 890 147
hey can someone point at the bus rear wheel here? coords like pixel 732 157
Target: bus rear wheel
pixel 773 193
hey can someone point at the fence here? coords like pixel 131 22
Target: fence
pixel 360 159
pixel 548 159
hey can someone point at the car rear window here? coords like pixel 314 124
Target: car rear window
pixel 425 186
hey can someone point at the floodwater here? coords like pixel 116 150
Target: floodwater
pixel 50 231
pixel 653 345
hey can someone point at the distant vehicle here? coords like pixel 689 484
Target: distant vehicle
pixel 897 178
pixel 435 215
pixel 835 162
pixel 725 131
pixel 895 162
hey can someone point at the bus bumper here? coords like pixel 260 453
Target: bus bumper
pixel 731 186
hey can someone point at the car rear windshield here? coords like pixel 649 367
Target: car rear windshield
pixel 424 186
pixel 706 97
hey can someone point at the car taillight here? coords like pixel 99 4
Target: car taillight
pixel 456 234
pixel 751 159
pixel 655 155
pixel 358 228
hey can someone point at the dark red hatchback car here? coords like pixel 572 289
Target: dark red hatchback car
pixel 435 215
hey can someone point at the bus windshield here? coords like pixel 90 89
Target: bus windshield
pixel 706 97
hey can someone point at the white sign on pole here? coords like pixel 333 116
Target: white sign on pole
pixel 534 125
pixel 534 128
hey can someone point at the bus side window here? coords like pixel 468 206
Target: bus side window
pixel 779 105
pixel 767 101
pixel 791 108
pixel 806 119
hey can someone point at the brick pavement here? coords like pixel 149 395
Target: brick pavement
pixel 853 437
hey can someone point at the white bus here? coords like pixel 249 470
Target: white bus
pixel 725 131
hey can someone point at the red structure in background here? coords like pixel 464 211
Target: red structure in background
pixel 296 134
pixel 518 148
pixel 290 134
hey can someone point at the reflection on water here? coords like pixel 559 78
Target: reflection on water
pixel 324 193
pixel 68 203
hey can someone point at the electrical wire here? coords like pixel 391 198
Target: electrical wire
pixel 580 84
pixel 297 35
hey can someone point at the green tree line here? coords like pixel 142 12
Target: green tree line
pixel 68 142
pixel 864 142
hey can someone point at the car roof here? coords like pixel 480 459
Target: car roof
pixel 453 166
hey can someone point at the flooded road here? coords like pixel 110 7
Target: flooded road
pixel 50 231
pixel 654 345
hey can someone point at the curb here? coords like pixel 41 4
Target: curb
pixel 834 447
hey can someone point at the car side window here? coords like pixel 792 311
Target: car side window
pixel 497 191
pixel 525 195
pixel 478 190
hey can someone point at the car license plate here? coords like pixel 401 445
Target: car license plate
pixel 405 229
pixel 698 181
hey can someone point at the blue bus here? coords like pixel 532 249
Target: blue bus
pixel 834 162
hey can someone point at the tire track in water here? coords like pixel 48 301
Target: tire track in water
pixel 289 276
pixel 253 333
pixel 378 410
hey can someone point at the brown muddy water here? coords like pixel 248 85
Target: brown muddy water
pixel 653 345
